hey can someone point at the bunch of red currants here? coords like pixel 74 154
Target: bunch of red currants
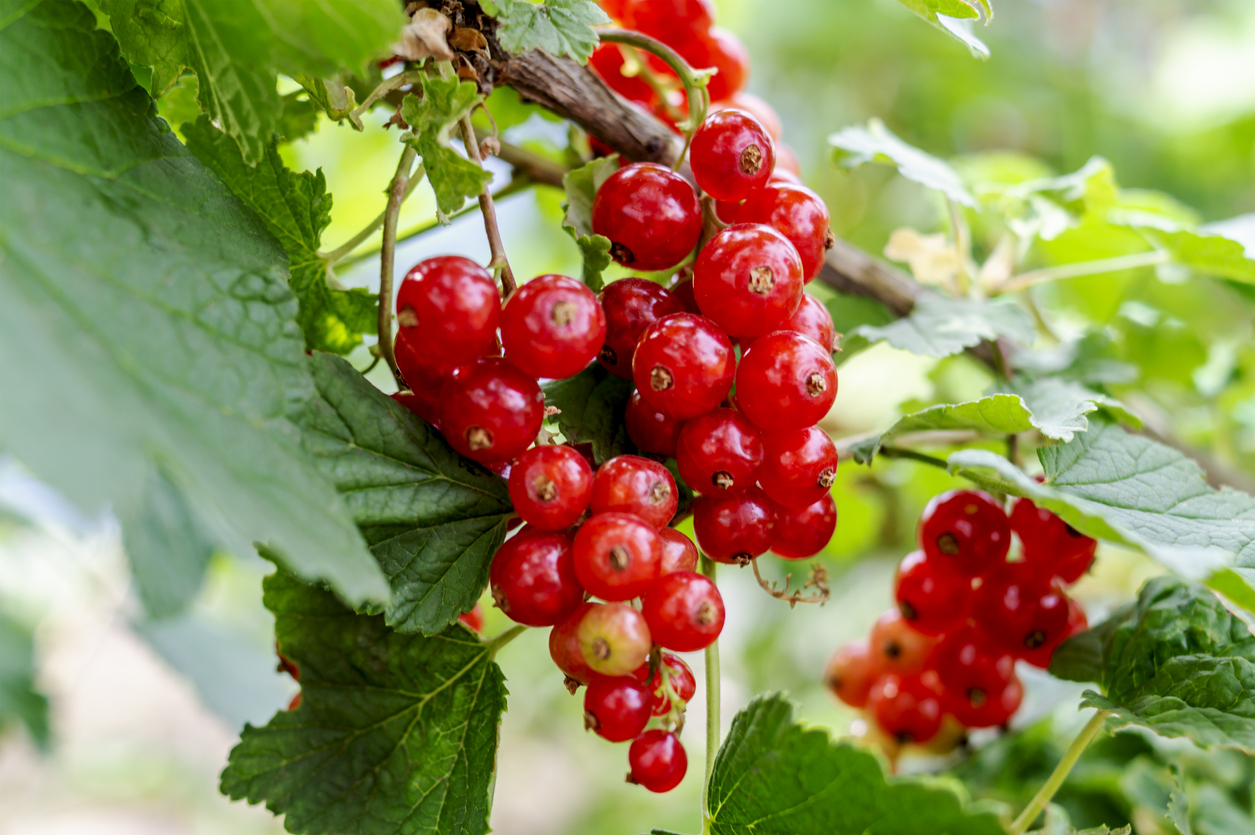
pixel 965 615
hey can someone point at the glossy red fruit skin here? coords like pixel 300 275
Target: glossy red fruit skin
pixel 424 377
pixel 617 556
pixel 731 155
pixel 905 707
pixel 786 161
pixel 657 761
pixel 1052 547
pixel 801 534
pixel 683 291
pixel 474 619
pixel 631 305
pixel 850 673
pixel 727 210
pixel 449 307
pixel 490 411
pixel 748 279
pixel 720 452
pixel 682 683
pixel 427 408
pixel 967 526
pixel 932 593
pixel 799 466
pixel 616 708
pixel 550 486
pixel 684 365
pixel 607 61
pixel 635 485
pixel 979 686
pixel 684 611
pixel 652 431
pixel 813 320
pixel 736 528
pixel 552 326
pixel 650 214
pixel 756 107
pixel 724 51
pixel 564 646
pixel 1024 616
pixel 614 639
pixel 797 213
pixel 678 551
pixel 785 381
pixel 533 578
pixel 667 19
pixel 897 647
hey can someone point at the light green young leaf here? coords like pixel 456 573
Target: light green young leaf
pixel 19 700
pixel 855 146
pixel 950 16
pixel 395 733
pixel 940 326
pixel 144 315
pixel 1059 407
pixel 595 250
pixel 591 408
pixel 559 27
pixel 773 776
pixel 432 118
pixel 432 518
pixel 1206 254
pixel 581 186
pixel 296 209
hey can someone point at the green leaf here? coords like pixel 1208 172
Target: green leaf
pixel 395 733
pixel 941 326
pixel 1000 414
pixel 152 34
pixel 1179 804
pixel 146 312
pixel 1130 490
pixel 432 518
pixel 559 27
pixel 1181 665
pixel 1080 658
pixel 591 408
pixel 595 250
pixel 773 776
pixel 296 209
pixel 1059 407
pixel 855 146
pixel 167 547
pixel 19 700
pixel 453 177
pixel 947 14
pixel 581 186
pixel 1204 253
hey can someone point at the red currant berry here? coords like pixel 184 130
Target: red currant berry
pixel 550 486
pixel 678 551
pixel 651 430
pixel 1051 546
pixel 748 279
pixel 684 365
pixel 614 639
pixel 727 211
pixel 617 556
pixel 1024 616
pixel 620 10
pixel 552 327
pixel 813 319
pixel 932 593
pixel 427 408
pixel 683 684
pixel 616 709
pixel 850 673
pixel 474 619
pixel 786 162
pixel 424 376
pixel 719 452
pixel 607 61
pixel 784 175
pixel 650 214
pixel 969 528
pixel 978 681
pixel 735 528
pixel 724 51
pixel 631 305
pixel 785 381
pixel 564 647
pixel 448 307
pixel 1077 622
pixel 756 107
pixel 897 647
pixel 295 703
pixel 491 411
pixel 732 154
pixel 631 484
pixel 799 466
pixel 663 19
pixel 683 291
pixel 797 213
pixel 287 665
pixel 684 611
pixel 533 578
pixel 801 534
pixel 657 761
pixel 907 708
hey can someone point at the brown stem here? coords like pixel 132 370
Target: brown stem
pixel 499 261
pixel 387 258
pixel 818 581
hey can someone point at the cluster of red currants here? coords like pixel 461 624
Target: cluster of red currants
pixel 965 615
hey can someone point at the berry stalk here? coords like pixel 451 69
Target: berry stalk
pixel 1047 791
pixel 387 257
pixel 712 707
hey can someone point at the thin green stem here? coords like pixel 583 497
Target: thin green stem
pixel 396 82
pixel 712 707
pixel 912 455
pixel 1105 265
pixel 504 638
pixel 339 253
pixel 962 246
pixel 1047 791
pixel 387 251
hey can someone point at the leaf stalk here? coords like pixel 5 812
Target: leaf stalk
pixel 387 251
pixel 712 707
pixel 1047 792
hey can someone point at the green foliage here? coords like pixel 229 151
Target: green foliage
pixel 19 700
pixel 432 518
pixel 1060 406
pixel 591 408
pixel 774 776
pixel 146 315
pixel 940 326
pixel 855 146
pixel 296 209
pixel 559 27
pixel 395 733
pixel 237 49
pixel 940 13
pixel 168 548
pixel 432 118
pixel 581 186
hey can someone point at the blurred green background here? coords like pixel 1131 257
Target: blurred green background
pixel 143 714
